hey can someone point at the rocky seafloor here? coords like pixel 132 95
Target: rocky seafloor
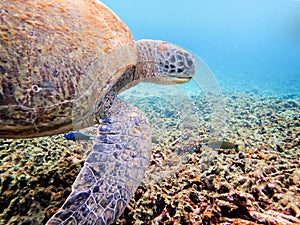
pixel 186 182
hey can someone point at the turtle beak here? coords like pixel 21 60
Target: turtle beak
pixel 184 75
pixel 181 79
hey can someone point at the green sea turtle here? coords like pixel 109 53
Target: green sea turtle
pixel 62 64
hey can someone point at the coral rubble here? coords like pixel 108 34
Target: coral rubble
pixel 187 182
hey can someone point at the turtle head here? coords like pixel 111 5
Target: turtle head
pixel 164 63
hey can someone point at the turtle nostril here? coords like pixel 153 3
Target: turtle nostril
pixel 188 61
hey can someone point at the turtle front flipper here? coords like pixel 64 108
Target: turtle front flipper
pixel 112 171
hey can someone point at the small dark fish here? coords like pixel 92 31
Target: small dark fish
pixel 223 144
pixel 78 136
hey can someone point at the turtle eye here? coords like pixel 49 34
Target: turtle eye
pixel 188 61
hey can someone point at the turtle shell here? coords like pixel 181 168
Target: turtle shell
pixel 57 60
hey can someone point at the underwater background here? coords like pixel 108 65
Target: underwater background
pixel 251 100
pixel 250 46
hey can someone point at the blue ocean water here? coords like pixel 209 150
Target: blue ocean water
pixel 251 46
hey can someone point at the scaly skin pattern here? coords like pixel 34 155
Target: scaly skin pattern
pixel 121 154
pixel 51 53
pixel 112 171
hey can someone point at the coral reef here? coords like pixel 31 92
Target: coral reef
pixel 187 182
pixel 190 184
pixel 36 177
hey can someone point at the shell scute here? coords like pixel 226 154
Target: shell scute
pixel 55 54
